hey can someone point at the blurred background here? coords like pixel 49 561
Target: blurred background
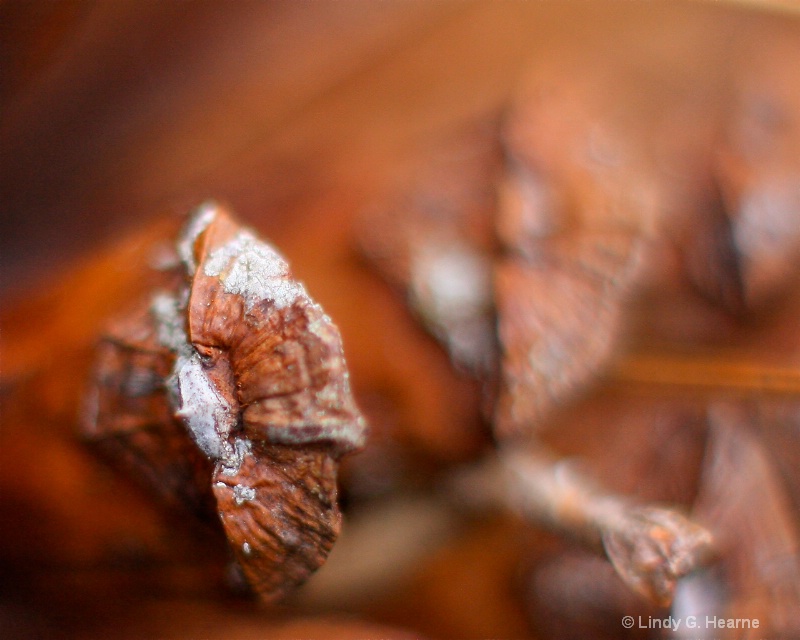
pixel 302 116
pixel 113 111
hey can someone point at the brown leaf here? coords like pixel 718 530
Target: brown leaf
pixel 240 371
pixel 280 514
pixel 128 417
pixel 743 501
pixel 433 237
pixel 561 317
pixel 758 168
pixel 653 548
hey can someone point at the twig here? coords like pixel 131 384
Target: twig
pixel 651 547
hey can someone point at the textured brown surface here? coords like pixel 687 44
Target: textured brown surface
pixel 291 526
pixel 300 116
pixel 204 386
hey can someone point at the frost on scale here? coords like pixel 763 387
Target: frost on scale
pixel 198 222
pixel 267 345
pixel 207 413
pixel 169 316
pixel 247 406
pixel 242 494
pixel 255 271
pixel 450 286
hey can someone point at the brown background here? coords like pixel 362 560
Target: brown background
pixel 114 114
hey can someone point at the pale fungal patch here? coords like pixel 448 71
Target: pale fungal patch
pixel 451 288
pixel 242 493
pixel 452 281
pixel 230 465
pixel 255 271
pixel 247 549
pixel 322 325
pixel 168 312
pixel 205 411
pixel 202 217
pixel 209 417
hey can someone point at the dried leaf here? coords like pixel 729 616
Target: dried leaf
pixel 758 169
pixel 561 318
pixel 650 546
pixel 434 239
pixel 280 513
pixel 238 374
pixel 744 503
